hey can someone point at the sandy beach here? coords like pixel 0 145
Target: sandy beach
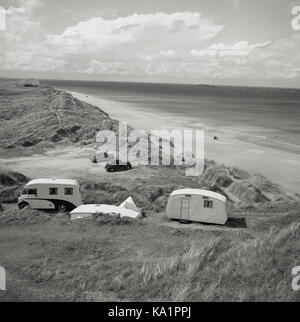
pixel 246 147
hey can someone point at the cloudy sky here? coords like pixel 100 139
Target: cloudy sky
pixel 246 42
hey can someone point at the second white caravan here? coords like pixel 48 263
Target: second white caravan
pixel 198 205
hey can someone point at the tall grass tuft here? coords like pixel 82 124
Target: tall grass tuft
pixel 251 270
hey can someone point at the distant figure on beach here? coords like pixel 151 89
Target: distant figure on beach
pixel 216 138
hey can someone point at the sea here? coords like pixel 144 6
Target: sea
pixel 275 109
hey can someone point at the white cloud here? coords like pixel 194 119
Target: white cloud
pixel 141 45
pixel 241 48
pixel 89 45
pixel 267 60
pixel 20 26
pixel 146 31
pixel 236 3
pixel 104 68
pixel 163 53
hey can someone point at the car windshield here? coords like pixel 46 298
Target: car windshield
pixel 117 162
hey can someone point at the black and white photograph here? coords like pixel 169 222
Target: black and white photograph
pixel 149 153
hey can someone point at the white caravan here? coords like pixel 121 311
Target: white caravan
pixel 198 205
pixel 59 194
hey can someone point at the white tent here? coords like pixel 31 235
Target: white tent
pixel 129 204
pixel 85 211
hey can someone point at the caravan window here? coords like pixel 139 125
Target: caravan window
pixel 53 191
pixel 208 204
pixel 32 192
pixel 68 191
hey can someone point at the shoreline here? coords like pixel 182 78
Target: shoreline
pixel 236 146
pixel 266 137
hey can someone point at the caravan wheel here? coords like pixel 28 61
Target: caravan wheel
pixel 23 205
pixel 62 208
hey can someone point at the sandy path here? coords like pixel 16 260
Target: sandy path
pixel 60 163
pixel 57 107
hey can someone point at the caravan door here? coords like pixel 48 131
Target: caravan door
pixel 185 208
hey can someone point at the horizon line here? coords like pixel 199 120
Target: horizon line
pixel 150 82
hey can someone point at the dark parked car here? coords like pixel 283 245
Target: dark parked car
pixel 117 165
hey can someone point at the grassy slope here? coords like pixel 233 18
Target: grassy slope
pixel 49 257
pixel 30 117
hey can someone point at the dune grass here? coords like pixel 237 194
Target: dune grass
pixel 254 270
pixel 83 261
